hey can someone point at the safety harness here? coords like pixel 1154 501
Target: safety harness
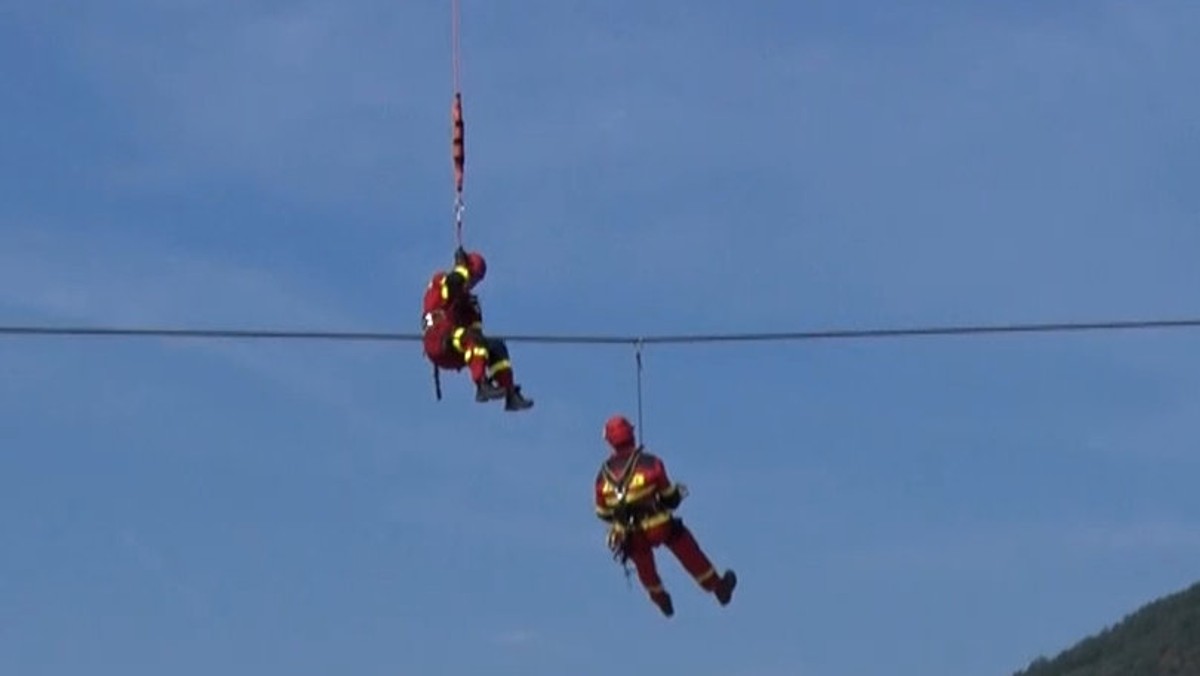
pixel 623 514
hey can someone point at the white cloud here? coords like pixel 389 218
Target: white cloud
pixel 295 100
pixel 984 548
pixel 1138 536
pixel 115 281
pixel 93 281
pixel 515 637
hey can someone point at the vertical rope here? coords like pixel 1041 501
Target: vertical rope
pixel 454 43
pixel 638 359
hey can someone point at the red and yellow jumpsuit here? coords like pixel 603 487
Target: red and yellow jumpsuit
pixel 453 330
pixel 636 497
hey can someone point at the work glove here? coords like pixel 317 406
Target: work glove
pixel 460 256
pixel 671 500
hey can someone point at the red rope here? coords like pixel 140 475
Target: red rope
pixel 457 143
pixel 454 41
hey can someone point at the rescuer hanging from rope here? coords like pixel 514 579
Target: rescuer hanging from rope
pixel 452 322
pixel 637 499
pixel 453 332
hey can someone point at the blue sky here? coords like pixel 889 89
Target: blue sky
pixel 958 505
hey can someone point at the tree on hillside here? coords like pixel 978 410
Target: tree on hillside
pixel 1162 638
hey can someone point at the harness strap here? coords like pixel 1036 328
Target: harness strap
pixel 621 487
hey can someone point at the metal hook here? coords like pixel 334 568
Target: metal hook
pixel 459 207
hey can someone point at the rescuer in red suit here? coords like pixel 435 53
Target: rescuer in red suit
pixel 636 498
pixel 453 332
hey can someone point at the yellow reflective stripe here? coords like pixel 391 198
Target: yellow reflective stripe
pixel 638 494
pixel 611 498
pixel 631 498
pixel 458 269
pixel 656 520
pixel 456 341
pixel 703 578
pixel 499 366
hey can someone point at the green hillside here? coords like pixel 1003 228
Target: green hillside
pixel 1162 637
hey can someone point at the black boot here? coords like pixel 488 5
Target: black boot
pixel 663 601
pixel 486 390
pixel 725 587
pixel 515 401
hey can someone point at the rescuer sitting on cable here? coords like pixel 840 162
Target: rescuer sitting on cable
pixel 453 332
pixel 636 498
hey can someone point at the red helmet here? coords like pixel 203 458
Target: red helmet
pixel 618 432
pixel 477 265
